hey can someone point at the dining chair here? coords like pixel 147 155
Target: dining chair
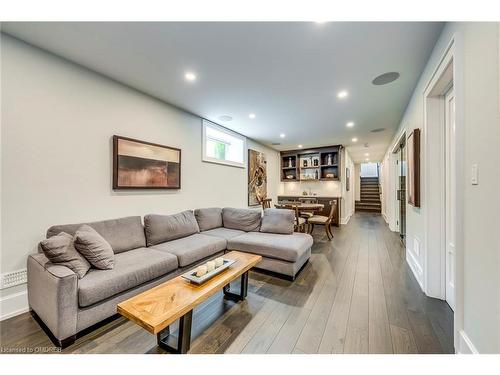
pixel 265 203
pixel 324 220
pixel 307 214
pixel 299 223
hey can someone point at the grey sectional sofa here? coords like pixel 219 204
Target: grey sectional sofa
pixel 147 255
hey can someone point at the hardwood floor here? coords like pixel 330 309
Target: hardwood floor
pixel 356 295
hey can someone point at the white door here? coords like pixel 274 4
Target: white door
pixel 450 197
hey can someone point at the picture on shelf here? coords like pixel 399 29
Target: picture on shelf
pixel 143 165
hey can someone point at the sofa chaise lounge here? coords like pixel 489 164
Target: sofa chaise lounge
pixel 147 255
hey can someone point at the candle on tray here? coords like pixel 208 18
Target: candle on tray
pixel 210 266
pixel 218 262
pixel 201 270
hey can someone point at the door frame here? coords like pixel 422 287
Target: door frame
pixel 450 93
pixel 394 180
pixel 449 70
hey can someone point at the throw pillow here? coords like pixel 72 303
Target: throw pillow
pixel 61 250
pixel 94 248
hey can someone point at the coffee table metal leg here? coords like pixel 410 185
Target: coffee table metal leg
pixel 243 289
pixel 183 338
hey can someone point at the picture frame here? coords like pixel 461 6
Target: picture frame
pixel 144 165
pixel 257 177
pixel 413 173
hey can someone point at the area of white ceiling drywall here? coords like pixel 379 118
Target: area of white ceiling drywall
pixel 287 75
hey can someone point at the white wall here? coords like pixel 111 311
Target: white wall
pixel 478 80
pixel 357 182
pixel 347 205
pixel 56 156
pixel 322 188
pixel 369 170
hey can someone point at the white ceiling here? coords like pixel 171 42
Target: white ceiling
pixel 288 74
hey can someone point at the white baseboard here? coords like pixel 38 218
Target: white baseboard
pixel 415 267
pixel 13 304
pixel 385 217
pixel 465 345
pixel 345 220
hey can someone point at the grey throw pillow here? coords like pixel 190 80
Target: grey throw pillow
pixel 94 248
pixel 61 250
pixel 277 221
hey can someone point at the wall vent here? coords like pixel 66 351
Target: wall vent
pixel 13 278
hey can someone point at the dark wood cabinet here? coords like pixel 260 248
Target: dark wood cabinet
pixel 319 164
pixel 322 200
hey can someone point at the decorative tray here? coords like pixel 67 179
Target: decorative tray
pixel 191 275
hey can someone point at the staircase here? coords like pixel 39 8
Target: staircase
pixel 370 197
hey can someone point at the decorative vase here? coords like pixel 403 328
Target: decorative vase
pixel 329 159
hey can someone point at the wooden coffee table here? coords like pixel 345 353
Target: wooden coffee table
pixel 157 308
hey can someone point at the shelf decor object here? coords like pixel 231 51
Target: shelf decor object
pixel 192 277
pixel 413 142
pixel 257 177
pixel 143 165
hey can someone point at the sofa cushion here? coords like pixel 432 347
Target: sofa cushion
pixel 244 219
pixel 277 221
pixel 193 248
pixel 94 248
pixel 60 249
pixel 122 234
pixel 132 268
pixel 287 247
pixel 162 228
pixel 225 233
pixel 208 218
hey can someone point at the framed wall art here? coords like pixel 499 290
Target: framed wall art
pixel 257 177
pixel 144 165
pixel 413 175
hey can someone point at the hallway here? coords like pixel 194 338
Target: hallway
pixel 356 295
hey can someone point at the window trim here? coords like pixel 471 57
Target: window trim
pixel 208 159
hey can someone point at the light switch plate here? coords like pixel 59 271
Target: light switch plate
pixel 474 175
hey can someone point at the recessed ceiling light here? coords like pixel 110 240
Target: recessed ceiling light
pixel 190 76
pixel 350 124
pixel 251 115
pixel 367 154
pixel 354 139
pixel 225 118
pixel 367 159
pixel 282 135
pixel 385 78
pixel 342 94
pixel 299 146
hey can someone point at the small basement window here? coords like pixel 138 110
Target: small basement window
pixel 223 146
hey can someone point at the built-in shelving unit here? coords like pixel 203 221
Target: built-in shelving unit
pixel 318 164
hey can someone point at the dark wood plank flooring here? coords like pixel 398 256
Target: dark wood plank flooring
pixel 356 295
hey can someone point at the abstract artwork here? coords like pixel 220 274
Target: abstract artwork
pixel 257 177
pixel 144 165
